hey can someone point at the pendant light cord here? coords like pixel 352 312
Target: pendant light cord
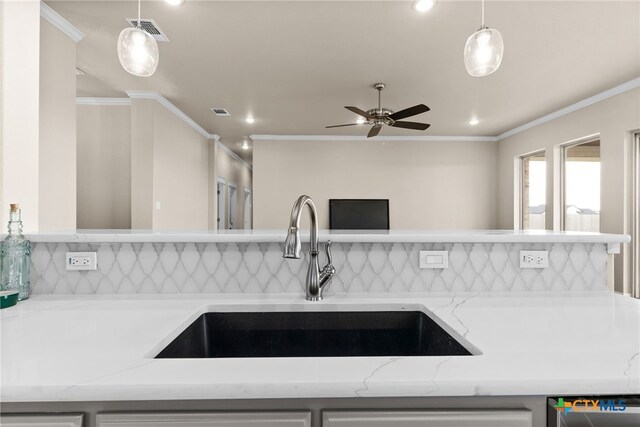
pixel 140 26
pixel 482 26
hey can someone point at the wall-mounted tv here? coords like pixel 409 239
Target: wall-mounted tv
pixel 359 214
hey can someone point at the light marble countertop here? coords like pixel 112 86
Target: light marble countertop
pixel 98 348
pixel 355 236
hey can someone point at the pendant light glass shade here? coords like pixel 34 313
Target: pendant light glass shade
pixel 483 52
pixel 138 52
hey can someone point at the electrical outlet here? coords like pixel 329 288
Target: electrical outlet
pixel 434 259
pixel 534 259
pixel 82 261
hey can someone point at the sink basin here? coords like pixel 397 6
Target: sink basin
pixel 313 334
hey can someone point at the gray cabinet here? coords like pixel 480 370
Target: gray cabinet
pixel 248 419
pixel 41 420
pixel 448 418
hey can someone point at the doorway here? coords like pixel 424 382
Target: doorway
pixel 222 198
pixel 247 209
pixel 233 206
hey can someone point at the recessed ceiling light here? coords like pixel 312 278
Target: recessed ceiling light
pixel 360 120
pixel 474 122
pixel 249 119
pixel 424 5
pixel 174 2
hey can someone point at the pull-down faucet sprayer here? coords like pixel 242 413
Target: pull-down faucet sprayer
pixel 317 279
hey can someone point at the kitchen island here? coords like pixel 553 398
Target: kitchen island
pixel 91 350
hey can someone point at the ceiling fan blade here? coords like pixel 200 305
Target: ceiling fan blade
pixel 360 112
pixel 408 112
pixel 375 130
pixel 411 125
pixel 339 126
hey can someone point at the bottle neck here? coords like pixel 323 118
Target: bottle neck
pixel 15 224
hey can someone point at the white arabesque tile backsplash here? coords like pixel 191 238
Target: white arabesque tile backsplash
pixel 153 268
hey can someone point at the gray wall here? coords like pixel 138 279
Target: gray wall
pixel 431 185
pixel 57 133
pixel 104 166
pixel 614 119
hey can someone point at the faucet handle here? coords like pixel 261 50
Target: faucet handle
pixel 327 251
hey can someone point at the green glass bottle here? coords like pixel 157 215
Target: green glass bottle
pixel 15 253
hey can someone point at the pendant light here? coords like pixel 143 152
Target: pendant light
pixel 483 51
pixel 138 50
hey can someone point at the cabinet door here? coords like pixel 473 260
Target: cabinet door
pixel 452 418
pixel 176 419
pixel 41 420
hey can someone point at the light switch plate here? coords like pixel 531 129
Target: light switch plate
pixel 534 259
pixel 434 259
pixel 81 261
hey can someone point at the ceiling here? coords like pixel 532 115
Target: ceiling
pixel 293 65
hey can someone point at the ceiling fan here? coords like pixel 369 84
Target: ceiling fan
pixel 379 117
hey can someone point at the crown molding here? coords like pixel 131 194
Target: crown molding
pixel 60 22
pixel 377 138
pixel 616 90
pixel 139 94
pixel 624 87
pixel 86 100
pixel 230 152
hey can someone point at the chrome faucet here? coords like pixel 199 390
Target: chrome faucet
pixel 317 279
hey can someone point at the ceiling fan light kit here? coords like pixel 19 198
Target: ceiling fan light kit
pixel 483 50
pixel 138 50
pixel 379 117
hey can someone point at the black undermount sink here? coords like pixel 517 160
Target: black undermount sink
pixel 313 334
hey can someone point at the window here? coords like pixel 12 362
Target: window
pixel 581 187
pixel 533 191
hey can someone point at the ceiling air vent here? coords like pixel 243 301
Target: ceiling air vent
pixel 150 26
pixel 219 111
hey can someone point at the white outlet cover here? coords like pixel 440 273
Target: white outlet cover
pixel 434 259
pixel 534 259
pixel 75 261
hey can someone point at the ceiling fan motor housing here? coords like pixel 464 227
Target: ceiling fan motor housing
pixel 381 115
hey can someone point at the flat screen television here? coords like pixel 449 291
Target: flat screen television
pixel 359 214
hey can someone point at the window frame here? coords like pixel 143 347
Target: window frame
pixel 519 199
pixel 634 247
pixel 560 174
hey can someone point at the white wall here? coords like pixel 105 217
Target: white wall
pixel 104 166
pixel 613 119
pixel 431 185
pixel 57 174
pixel 19 122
